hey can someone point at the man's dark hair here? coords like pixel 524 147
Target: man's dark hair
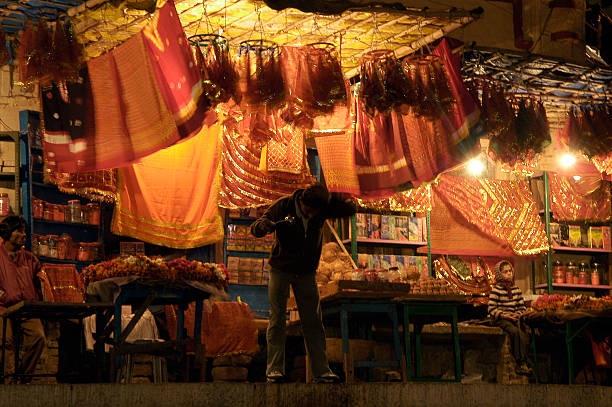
pixel 315 196
pixel 10 224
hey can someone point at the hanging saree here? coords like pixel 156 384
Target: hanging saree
pixel 170 198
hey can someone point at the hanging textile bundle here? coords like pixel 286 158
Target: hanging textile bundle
pixel 219 76
pixel 260 75
pixel 5 57
pixel 589 130
pixel 383 84
pixel 524 138
pixel 33 52
pixel 320 84
pixel 496 109
pixel 429 81
pixel 66 54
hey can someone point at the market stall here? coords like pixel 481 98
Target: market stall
pixel 248 103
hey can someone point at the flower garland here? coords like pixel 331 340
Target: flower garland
pixel 143 266
pixel 560 302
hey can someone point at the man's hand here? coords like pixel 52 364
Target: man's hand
pixel 268 225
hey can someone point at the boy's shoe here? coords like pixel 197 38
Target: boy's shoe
pixel 275 377
pixel 328 377
pixel 524 370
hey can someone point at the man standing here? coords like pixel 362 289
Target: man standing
pixel 298 221
pixel 19 282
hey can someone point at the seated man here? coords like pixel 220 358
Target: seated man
pixel 19 282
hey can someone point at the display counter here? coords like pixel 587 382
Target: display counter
pixel 54 311
pixel 571 324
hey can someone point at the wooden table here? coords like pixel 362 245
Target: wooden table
pixel 144 292
pixel 53 311
pixel 420 310
pixel 347 298
pixel 572 323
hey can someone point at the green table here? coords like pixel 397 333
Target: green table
pixel 419 310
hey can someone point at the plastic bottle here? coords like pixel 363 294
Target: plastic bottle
pixel 5 204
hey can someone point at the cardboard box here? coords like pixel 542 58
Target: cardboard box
pixel 595 237
pixel 401 228
pixel 606 243
pixel 555 233
pixel 374 226
pixel 413 229
pixel 575 236
pixel 362 225
pixel 387 227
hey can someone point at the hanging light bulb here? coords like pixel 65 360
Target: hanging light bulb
pixel 567 160
pixel 475 166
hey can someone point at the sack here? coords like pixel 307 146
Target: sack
pixel 601 351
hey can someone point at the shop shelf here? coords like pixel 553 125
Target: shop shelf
pixel 558 248
pixel 362 240
pixel 577 286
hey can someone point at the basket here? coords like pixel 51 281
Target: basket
pixel 61 283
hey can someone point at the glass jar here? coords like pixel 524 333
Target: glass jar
pixel 52 246
pixel 38 208
pixel 571 269
pixel 595 273
pixel 93 213
pixel 83 252
pixel 5 204
pixel 63 246
pixel 559 272
pixel 58 213
pixel 43 246
pixel 583 273
pixel 48 211
pixel 74 211
pixel 35 245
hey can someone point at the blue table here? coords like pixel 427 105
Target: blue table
pixel 144 292
pixel 419 310
pixel 351 299
pixel 53 311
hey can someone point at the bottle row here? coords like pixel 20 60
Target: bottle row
pixel 579 273
pixel 73 212
pixel 62 247
pixel 391 227
pixel 594 237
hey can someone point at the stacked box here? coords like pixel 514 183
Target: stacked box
pixel 555 233
pixel 575 235
pixel 362 224
pixel 606 241
pixel 265 272
pixel 257 271
pixel 233 242
pixel 413 229
pixel 401 228
pixel 387 227
pixel 232 266
pixel 374 224
pixel 595 237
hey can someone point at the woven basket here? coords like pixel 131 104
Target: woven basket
pixel 62 283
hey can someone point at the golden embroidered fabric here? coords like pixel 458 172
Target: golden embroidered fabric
pixel 587 199
pixel 503 210
pixel 413 200
pixel 170 198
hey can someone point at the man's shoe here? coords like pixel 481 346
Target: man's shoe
pixel 524 370
pixel 275 377
pixel 328 377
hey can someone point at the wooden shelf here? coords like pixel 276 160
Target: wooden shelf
pixel 558 248
pixel 576 286
pixel 467 252
pixel 363 240
pixel 70 224
pixel 246 253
